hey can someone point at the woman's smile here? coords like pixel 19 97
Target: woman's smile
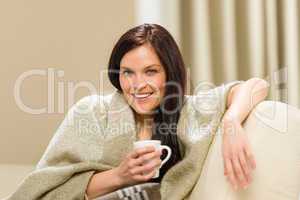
pixel 144 101
pixel 142 96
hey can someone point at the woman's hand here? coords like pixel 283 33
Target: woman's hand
pixel 130 171
pixel 139 166
pixel 237 154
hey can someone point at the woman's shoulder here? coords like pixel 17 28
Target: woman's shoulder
pixel 209 98
pixel 101 102
pixel 93 100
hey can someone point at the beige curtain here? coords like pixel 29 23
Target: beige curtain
pixel 225 40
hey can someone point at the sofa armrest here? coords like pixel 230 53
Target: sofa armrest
pixel 273 129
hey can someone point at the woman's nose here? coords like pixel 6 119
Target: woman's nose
pixel 139 82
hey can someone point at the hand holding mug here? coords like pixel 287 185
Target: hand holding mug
pixel 157 145
pixel 139 165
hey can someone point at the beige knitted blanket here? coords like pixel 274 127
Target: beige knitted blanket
pixel 99 130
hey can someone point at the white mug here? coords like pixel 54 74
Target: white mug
pixel 157 145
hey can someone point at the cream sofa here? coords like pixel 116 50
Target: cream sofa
pixel 273 129
pixel 10 176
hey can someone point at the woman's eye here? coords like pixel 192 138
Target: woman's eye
pixel 126 73
pixel 151 72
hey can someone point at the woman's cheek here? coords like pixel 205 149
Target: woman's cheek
pixel 125 86
pixel 160 86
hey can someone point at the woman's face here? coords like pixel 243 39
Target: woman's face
pixel 142 79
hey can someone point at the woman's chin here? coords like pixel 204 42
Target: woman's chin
pixel 143 110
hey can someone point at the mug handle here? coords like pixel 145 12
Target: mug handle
pixel 168 155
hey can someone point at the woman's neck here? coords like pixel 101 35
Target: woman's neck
pixel 144 126
pixel 143 120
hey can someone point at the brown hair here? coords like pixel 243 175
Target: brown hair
pixel 168 52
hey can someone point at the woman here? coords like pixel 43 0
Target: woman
pixel 147 69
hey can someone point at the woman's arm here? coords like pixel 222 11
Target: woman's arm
pixel 102 183
pixel 243 98
pixel 237 153
pixel 138 166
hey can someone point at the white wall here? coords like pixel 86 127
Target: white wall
pixel 74 36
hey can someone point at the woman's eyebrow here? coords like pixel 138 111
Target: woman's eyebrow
pixel 122 67
pixel 153 65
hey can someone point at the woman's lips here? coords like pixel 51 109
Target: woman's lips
pixel 142 96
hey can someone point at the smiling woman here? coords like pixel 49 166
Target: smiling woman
pixel 147 70
pixel 146 66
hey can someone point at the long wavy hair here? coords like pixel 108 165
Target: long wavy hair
pixel 168 52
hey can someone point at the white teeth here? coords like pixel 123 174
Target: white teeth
pixel 142 95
